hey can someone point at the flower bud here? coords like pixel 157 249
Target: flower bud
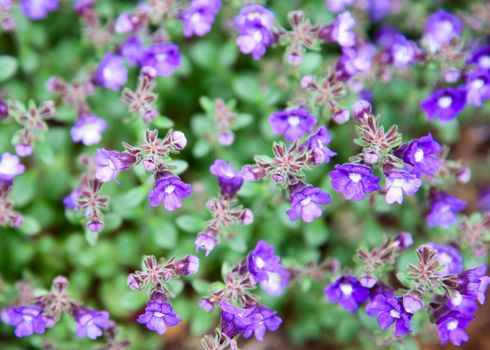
pixel 247 217
pixel 206 242
pixel 149 72
pixel 412 303
pixel 295 58
pixel 60 283
pixel 403 241
pixel 463 174
pixel 23 149
pixel 149 165
pixel 95 226
pixel 368 281
pixel 371 157
pixel 226 138
pixel 4 109
pixel 187 266
pixel 452 75
pixel 179 139
pixel 341 117
pixel 360 109
pixel 134 282
pixel 206 304
pixel 306 81
pixel 150 115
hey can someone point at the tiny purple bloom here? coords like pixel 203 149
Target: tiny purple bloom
pixel 26 320
pixel 169 189
pixel 354 61
pixel 187 266
pixel 478 87
pixel 132 49
pixel 412 303
pixel 472 282
pixel 444 104
pixel 266 321
pixel 90 323
pixel 389 310
pixel 124 24
pixel 10 166
pixel 262 260
pixel 235 321
pixel 444 210
pixel 305 203
pixel 421 153
pixel 449 257
pixel 354 181
pixel 88 129
pixel 292 123
pixel 198 18
pixel 71 201
pixel 38 9
pixel 451 327
pixel 399 182
pixel 379 9
pixel 159 314
pixel 338 5
pixel 23 149
pixel 276 282
pixel 317 144
pixel 112 73
pixel 348 292
pixel 481 57
pixel 441 28
pixel 340 30
pixel 111 163
pixel 230 180
pixel 164 58
pixel 206 242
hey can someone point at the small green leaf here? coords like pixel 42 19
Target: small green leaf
pixel 8 67
pixel 30 226
pixel 189 223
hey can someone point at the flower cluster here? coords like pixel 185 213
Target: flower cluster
pixel 35 314
pixel 241 312
pixel 159 313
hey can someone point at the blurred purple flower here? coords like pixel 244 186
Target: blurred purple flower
pixel 124 24
pixel 90 323
pixel 444 210
pixel 266 320
pixel 164 58
pixel 198 18
pixel 88 129
pixel 10 166
pixel 276 281
pixel 205 242
pixel 71 201
pixel 38 9
pixel 305 203
pixel 444 104
pixel 348 292
pixel 292 123
pixel 420 153
pixel 354 61
pixel 338 5
pixel 478 87
pixel 112 73
pixel 132 50
pixel 449 257
pixel 111 163
pixel 441 27
pixel 340 30
pixel 26 320
pixel 481 57
pixel 317 144
pixel 401 181
pixel 354 181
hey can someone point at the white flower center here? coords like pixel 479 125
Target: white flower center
pixel 419 155
pixel 445 258
pixel 398 182
pixel 446 26
pixel 355 177
pixel 27 318
pixel 445 102
pixel 260 262
pixel 306 201
pixel 445 208
pixel 394 314
pixel 293 121
pixel 458 298
pixel 169 189
pixel 452 325
pixel 257 36
pixel 161 57
pixel 158 314
pixel 484 61
pixel 195 18
pixel 477 84
pixel 346 289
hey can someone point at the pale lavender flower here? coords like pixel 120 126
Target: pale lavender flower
pixel 292 123
pixel 276 281
pixel 354 181
pixel 354 61
pixel 26 320
pixel 90 323
pixel 198 18
pixel 10 166
pixel 88 129
pixel 124 24
pixel 444 209
pixel 111 73
pixel 478 87
pixel 338 5
pixel 441 28
pixel 164 58
pixel 340 30
pixel 399 182
pixel 111 163
pixel 206 242
pixel 38 9
pixel 230 180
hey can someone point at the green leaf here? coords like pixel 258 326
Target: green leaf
pixel 316 233
pixel 30 226
pixel 189 223
pixel 8 67
pixel 200 286
pixel 163 233
pixel 201 148
pixel 247 88
pixel 124 203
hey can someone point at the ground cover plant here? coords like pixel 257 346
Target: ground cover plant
pixel 244 174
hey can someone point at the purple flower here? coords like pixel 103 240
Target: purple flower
pixel 187 266
pixel 71 201
pixel 481 57
pixel 482 289
pixel 90 323
pixel 164 58
pixel 266 320
pixel 444 209
pixel 82 5
pixel 478 87
pixel 112 73
pixel 317 144
pixel 23 149
pixel 412 303
pixel 379 9
pixel 403 52
pixel 88 129
pixel 441 28
pixel 276 282
pixel 124 24
pixel 354 61
pixel 26 320
pixel 340 30
pixel 472 283
pixel 262 260
pixel 348 292
pixel 10 166
pixel 389 310
pixel 462 303
pixel 254 25
pixel 159 314
pixel 235 321
pixel 132 49
pixel 354 180
pixel 400 181
pixel 38 9
pixel 292 123
pixel 230 180
pixel 169 189
pixel 338 5
pixel 305 203
pixel 111 163
pixel 451 327
pixel 444 104
pixel 205 242
pixel 420 154
pixel 449 257
pixel 199 16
